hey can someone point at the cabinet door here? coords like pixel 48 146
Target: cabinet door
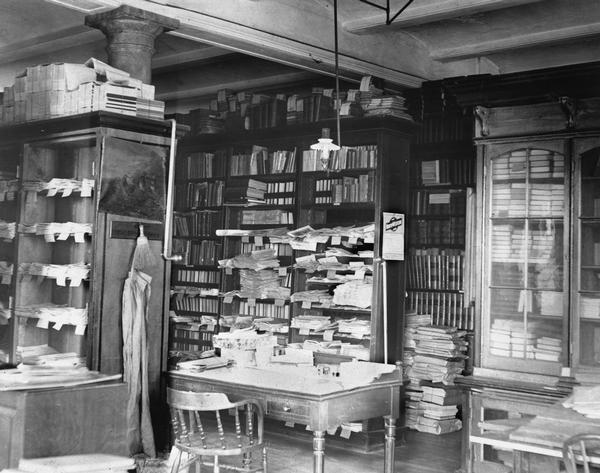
pixel 586 273
pixel 525 234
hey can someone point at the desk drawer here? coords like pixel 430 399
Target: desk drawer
pixel 287 409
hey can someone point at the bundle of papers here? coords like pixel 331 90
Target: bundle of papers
pixel 307 322
pixel 6 271
pixel 262 284
pixel 319 297
pixel 585 400
pixel 256 260
pixel 58 315
pixel 356 328
pixel 58 231
pixel 357 293
pixel 63 187
pixel 75 273
pixel 7 230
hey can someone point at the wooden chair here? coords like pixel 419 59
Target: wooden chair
pixel 201 430
pixel 581 453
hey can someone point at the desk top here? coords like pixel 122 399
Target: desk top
pixel 289 382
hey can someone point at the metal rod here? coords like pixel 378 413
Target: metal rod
pixel 337 74
pixel 169 205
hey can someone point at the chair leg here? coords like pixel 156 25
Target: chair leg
pixel 175 458
pixel 264 459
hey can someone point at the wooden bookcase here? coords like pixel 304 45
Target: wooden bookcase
pixel 442 180
pixel 118 164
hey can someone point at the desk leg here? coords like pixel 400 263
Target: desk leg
pixel 318 451
pixel 390 444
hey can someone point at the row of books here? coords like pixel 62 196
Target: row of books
pixel 266 217
pixel 444 171
pixel 281 249
pixel 532 340
pixel 511 200
pixel 514 301
pixel 263 161
pixel 428 202
pixel 205 252
pixel 258 309
pixel 202 165
pixel 195 304
pixel 345 189
pixel 450 231
pixel 435 268
pixel 195 276
pixel 540 164
pixel 446 308
pixel 348 157
pixel 542 245
pixel 184 338
pixel 196 223
pixel 195 195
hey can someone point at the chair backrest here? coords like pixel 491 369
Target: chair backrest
pixel 194 426
pixel 580 452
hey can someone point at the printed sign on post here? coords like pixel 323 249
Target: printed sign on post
pixel 393 236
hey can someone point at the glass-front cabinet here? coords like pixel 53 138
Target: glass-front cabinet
pixel 586 274
pixel 525 293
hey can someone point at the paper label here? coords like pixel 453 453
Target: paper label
pixel 306 304
pixel 289 424
pixel 332 431
pixel 258 241
pixel 283 271
pixel 79 237
pixel 57 325
pixel 79 329
pixel 279 302
pixel 345 433
pixel 49 237
pixel 61 280
pixel 86 187
pixel 67 191
pixel 336 240
pixel 52 192
pixel 42 323
pixel 331 274
pixel 304 331
pixel 245 239
pixel 75 282
pixel 227 300
pixel 228 270
pixel 63 236
pixel 328 335
pixel 251 302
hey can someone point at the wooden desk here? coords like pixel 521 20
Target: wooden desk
pixel 322 405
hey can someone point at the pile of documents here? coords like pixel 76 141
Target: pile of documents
pixel 75 272
pixel 54 231
pixel 56 314
pixel 319 297
pixel 307 323
pixel 585 400
pixel 256 260
pixel 356 293
pixel 62 187
pixel 7 230
pixel 262 284
pixel 355 328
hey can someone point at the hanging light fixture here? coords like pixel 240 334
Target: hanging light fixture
pixel 325 144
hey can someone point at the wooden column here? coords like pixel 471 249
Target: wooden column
pixel 130 33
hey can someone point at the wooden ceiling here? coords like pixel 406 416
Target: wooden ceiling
pixel 253 44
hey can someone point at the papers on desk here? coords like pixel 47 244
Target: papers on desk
pixel 585 400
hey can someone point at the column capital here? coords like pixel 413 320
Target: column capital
pixel 131 33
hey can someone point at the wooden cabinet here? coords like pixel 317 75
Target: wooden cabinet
pixel 368 177
pixel 62 421
pixel 83 185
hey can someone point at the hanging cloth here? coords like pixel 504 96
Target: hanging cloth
pixel 136 297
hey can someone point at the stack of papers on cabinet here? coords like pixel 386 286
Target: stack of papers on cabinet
pixel 356 293
pixel 585 400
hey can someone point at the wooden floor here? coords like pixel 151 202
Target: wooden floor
pixel 420 453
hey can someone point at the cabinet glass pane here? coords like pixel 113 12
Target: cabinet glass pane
pixel 589 270
pixel 525 281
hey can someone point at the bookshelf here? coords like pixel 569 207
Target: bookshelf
pixel 442 182
pixel 365 179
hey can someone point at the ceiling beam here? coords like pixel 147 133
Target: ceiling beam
pixel 421 13
pixel 49 43
pixel 202 53
pixel 256 42
pixel 528 40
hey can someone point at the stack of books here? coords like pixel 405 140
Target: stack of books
pixel 391 106
pixel 439 409
pixel 245 191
